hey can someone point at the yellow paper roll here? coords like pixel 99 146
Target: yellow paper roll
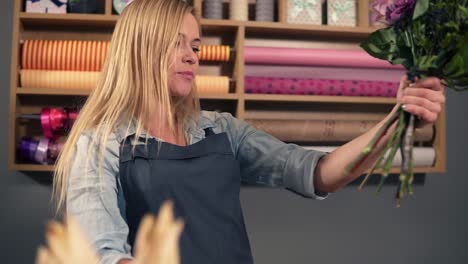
pixel 88 80
pixel 58 79
pixel 212 84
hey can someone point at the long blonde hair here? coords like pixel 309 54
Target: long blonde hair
pixel 133 83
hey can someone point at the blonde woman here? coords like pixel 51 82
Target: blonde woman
pixel 141 139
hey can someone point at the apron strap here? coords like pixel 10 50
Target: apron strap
pixel 209 132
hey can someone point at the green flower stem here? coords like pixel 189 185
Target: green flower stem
pixel 408 142
pixel 368 149
pixel 390 142
pixel 389 161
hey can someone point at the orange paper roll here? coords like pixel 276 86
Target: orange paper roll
pixel 64 55
pixel 58 79
pixel 214 53
pixel 212 84
pixel 68 55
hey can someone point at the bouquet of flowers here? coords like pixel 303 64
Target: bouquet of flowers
pixel 429 38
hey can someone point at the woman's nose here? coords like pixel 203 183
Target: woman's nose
pixel 190 56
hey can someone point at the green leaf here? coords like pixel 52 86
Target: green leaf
pixel 420 8
pixel 381 44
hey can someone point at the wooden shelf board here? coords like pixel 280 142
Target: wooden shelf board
pixel 35 19
pixel 49 91
pixel 320 99
pixel 32 167
pixel 83 92
pixel 278 28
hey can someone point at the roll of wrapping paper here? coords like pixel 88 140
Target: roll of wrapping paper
pixel 212 84
pixel 88 80
pixel 324 131
pixel 213 9
pixel 313 115
pixel 58 79
pixel 214 53
pixel 343 73
pixel 313 57
pixel 66 55
pixel 423 156
pixel 42 151
pixel 239 10
pixel 264 10
pixel 270 85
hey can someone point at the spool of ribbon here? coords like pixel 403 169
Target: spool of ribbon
pixel 42 151
pixel 56 121
pixel 214 53
pixel 213 9
pixel 239 10
pixel 27 149
pixel 264 10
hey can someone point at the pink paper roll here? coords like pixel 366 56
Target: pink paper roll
pixel 269 85
pixel 313 57
pixel 342 73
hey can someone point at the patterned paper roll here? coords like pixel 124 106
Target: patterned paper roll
pixel 423 156
pixel 64 55
pixel 313 115
pixel 324 131
pixel 213 9
pixel 313 57
pixel 269 85
pixel 212 84
pixel 239 10
pixel 214 53
pixel 306 72
pixel 264 10
pixel 58 79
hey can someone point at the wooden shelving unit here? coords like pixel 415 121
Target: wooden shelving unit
pixel 229 32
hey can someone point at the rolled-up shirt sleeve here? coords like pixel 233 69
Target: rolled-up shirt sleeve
pixel 265 160
pixel 96 202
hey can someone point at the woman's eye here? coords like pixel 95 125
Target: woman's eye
pixel 196 49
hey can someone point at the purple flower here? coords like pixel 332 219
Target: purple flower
pixel 399 9
pixel 378 9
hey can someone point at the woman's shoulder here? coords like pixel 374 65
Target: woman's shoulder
pixel 88 140
pixel 215 117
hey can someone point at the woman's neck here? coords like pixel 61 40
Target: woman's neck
pixel 162 131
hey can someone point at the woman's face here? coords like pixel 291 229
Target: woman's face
pixel 182 72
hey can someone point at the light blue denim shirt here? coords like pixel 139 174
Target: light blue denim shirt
pixel 100 208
